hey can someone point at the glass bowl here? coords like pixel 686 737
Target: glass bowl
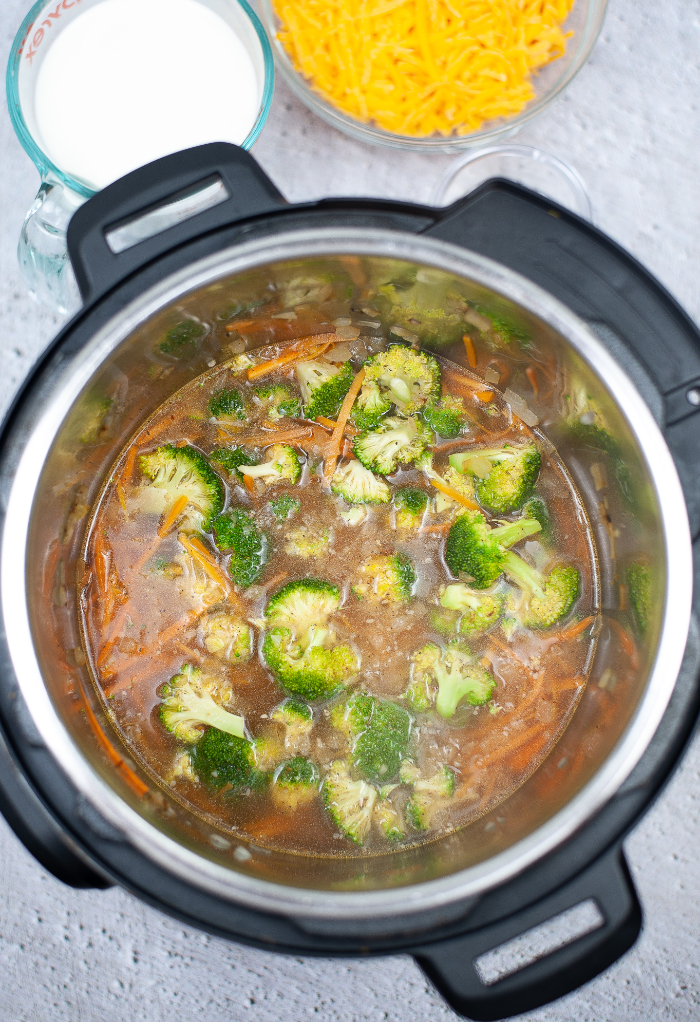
pixel 585 22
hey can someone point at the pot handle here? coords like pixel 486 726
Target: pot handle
pixel 248 193
pixel 450 965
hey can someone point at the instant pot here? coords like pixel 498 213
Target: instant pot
pixel 70 784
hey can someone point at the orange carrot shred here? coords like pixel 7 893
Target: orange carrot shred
pixel 576 629
pixel 532 377
pixel 172 516
pixel 485 396
pixel 471 351
pixel 129 466
pixel 130 777
pixel 265 439
pixel 454 495
pixel 249 484
pixel 626 641
pixel 336 438
pixel 304 349
pixel 196 549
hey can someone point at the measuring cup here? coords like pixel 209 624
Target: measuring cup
pixel 42 252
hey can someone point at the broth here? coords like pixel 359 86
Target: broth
pixel 154 587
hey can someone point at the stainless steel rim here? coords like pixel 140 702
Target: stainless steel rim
pixel 264 895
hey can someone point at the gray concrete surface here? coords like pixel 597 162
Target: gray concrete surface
pixel 631 127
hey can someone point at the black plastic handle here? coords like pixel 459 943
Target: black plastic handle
pixel 97 268
pixel 450 965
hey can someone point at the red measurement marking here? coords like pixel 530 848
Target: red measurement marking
pixel 38 37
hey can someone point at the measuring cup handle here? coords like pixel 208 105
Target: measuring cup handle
pixel 98 269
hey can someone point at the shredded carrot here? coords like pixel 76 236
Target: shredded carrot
pixel 154 648
pixel 195 548
pixel 122 496
pixel 626 642
pixel 442 527
pixel 304 349
pixel 336 439
pixel 275 579
pixel 265 439
pixel 249 484
pixel 576 629
pixel 484 395
pixel 172 516
pixel 350 430
pixel 454 495
pixel 471 351
pixel 532 377
pixel 129 465
pixel 130 777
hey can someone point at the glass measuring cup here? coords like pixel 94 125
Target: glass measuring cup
pixel 42 252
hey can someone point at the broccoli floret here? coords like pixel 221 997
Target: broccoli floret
pixel 446 417
pixel 191 701
pixel 236 532
pixel 537 509
pixel 506 475
pixel 639 588
pixel 479 611
pixel 282 464
pixel 411 505
pixel 478 551
pixel 285 507
pixel 303 604
pixel 456 675
pixel 355 516
pixel 227 637
pixel 232 458
pixel 349 803
pixel 392 443
pixel 323 387
pixel 221 759
pixel 548 598
pixel 386 578
pixel 427 309
pixel 184 472
pixel 358 485
pixel 298 720
pixel 279 401
pixel 310 671
pixel 370 406
pixel 181 339
pixel 295 784
pixel 428 795
pixel 408 378
pixel 388 818
pixel 93 413
pixel 378 733
pixel 227 405
pixel 307 542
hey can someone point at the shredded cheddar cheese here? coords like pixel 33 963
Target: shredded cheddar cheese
pixel 423 67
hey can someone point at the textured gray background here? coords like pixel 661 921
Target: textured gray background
pixel 630 125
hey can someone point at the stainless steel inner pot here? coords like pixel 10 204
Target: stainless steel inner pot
pixel 59 475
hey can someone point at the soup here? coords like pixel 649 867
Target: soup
pixel 340 596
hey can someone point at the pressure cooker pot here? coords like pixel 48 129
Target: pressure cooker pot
pixel 75 786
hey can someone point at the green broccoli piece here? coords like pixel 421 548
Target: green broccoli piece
pixel 479 611
pixel 323 387
pixel 478 551
pixel 297 719
pixel 378 733
pixel 358 485
pixel 227 405
pixel 409 379
pixel 388 818
pixel 392 443
pixel 349 803
pixel 191 702
pixel 185 472
pixel 279 401
pixel 295 784
pixel 281 465
pixel 285 507
pixel 446 417
pixel 456 675
pixel 93 413
pixel 303 604
pixel 307 542
pixel 548 598
pixel 236 532
pixel 411 505
pixel 506 476
pixel 640 596
pixel 227 637
pixel 537 509
pixel 386 578
pixel 221 759
pixel 181 339
pixel 232 458
pixel 427 309
pixel 310 670
pixel 370 406
pixel 428 795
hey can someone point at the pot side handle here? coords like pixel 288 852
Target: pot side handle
pixel 98 268
pixel 450 965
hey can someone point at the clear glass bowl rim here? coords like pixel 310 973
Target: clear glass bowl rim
pixel 45 166
pixel 378 136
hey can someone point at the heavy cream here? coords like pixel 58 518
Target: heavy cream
pixel 129 81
